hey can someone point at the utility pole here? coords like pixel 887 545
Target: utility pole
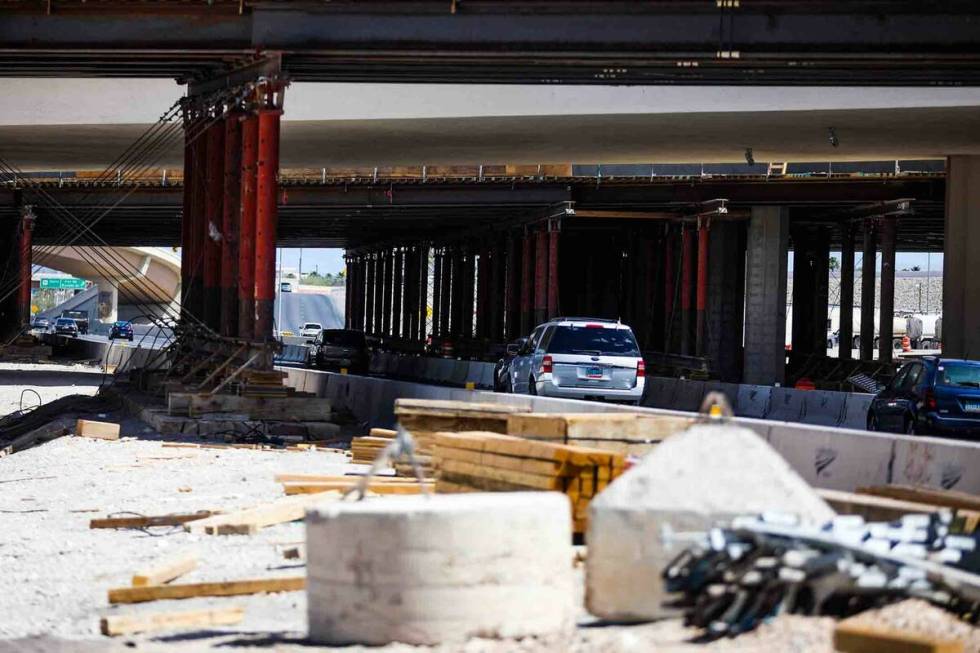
pixel 300 274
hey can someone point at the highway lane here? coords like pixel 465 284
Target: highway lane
pixel 301 307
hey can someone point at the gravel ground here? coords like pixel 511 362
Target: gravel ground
pixel 49 380
pixel 56 571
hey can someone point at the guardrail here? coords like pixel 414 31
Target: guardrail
pixel 827 457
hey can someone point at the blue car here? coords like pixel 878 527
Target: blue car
pixel 121 329
pixel 930 396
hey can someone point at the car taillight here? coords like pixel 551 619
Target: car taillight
pixel 929 401
pixel 428 340
pixel 641 369
pixel 546 365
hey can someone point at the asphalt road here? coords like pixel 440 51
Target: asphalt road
pixel 298 308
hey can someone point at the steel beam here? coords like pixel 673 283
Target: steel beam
pixel 213 219
pixel 846 329
pixel 540 276
pixel 246 229
pixel 868 289
pixel 266 222
pixel 687 280
pixel 231 222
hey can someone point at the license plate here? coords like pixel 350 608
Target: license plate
pixel 593 372
pixel 971 406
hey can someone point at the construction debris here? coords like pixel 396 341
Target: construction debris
pixel 192 590
pixel 149 521
pixel 250 520
pixel 440 569
pixel 165 571
pixel 695 480
pixel 87 428
pixel 153 622
pixel 850 637
pixel 763 566
pixel 472 462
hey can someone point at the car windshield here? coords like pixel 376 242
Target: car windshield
pixel 343 338
pixel 959 374
pixel 66 321
pixel 122 324
pixel 311 325
pixel 592 340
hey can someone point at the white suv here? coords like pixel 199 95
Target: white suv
pixel 310 330
pixel 580 358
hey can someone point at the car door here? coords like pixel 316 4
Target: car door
pixel 520 369
pixel 907 396
pixel 886 406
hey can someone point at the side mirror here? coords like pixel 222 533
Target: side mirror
pixel 513 349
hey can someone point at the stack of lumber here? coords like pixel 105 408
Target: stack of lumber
pixel 366 449
pixel 422 418
pixel 633 434
pixel 480 461
pixel 316 483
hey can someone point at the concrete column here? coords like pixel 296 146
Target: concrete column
pixel 764 356
pixel 886 304
pixel 724 301
pixel 868 290
pixel 811 269
pixel 846 332
pixel 107 304
pixel 961 283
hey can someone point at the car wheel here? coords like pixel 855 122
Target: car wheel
pixel 532 389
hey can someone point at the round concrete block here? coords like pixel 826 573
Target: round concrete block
pixel 440 568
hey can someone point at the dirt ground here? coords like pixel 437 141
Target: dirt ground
pixel 56 570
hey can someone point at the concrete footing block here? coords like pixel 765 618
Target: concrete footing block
pixel 433 569
pixel 692 481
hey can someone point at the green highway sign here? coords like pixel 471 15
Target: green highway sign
pixel 64 283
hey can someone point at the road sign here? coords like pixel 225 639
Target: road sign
pixel 63 283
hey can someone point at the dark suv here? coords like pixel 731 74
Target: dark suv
pixel 931 396
pixel 340 348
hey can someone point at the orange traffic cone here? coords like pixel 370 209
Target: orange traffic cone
pixel 906 344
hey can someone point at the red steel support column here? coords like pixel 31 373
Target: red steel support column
pixel 553 289
pixel 702 288
pixel 24 265
pixel 231 219
pixel 527 284
pixel 186 225
pixel 687 274
pixel 540 276
pixel 868 290
pixel 670 287
pixel 512 302
pixel 213 220
pixel 266 222
pixel 246 228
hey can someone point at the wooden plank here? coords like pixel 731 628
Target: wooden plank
pixel 88 428
pixel 874 508
pixel 947 498
pixel 853 637
pixel 250 520
pixel 130 624
pixel 165 571
pixel 145 521
pixel 532 481
pixel 376 488
pixel 387 434
pixel 518 463
pixel 191 590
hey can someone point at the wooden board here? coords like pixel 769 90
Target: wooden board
pixel 165 571
pixel 625 433
pixel 387 434
pixel 191 590
pixel 250 520
pixel 286 409
pixel 310 487
pixel 519 479
pixel 515 446
pixel 87 428
pixel 138 521
pixel 851 637
pixel 327 478
pixel 873 508
pixel 947 498
pixel 130 624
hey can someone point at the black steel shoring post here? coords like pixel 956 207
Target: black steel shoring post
pixel 437 292
pixel 846 326
pixel 379 292
pixel 512 310
pixel 398 294
pixel 868 289
pixel 369 261
pixel 423 286
pixel 887 301
pixel 410 270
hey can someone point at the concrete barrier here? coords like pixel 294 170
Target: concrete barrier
pixel 687 395
pixel 752 400
pixel 786 405
pixel 823 407
pixel 856 411
pixel 659 392
pixel 827 457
